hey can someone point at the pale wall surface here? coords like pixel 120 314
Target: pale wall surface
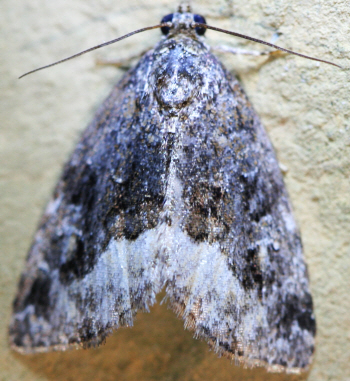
pixel 304 105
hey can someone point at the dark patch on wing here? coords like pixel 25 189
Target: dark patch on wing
pixel 206 204
pixel 38 295
pixel 92 333
pixel 205 200
pixel 259 195
pixel 138 197
pixel 252 274
pixel 134 194
pixel 294 309
pixel 78 264
pixel 81 190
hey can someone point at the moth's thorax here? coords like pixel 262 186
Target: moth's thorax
pixel 176 72
pixel 179 71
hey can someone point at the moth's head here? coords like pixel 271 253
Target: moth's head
pixel 183 21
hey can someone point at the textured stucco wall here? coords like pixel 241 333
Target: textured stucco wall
pixel 303 104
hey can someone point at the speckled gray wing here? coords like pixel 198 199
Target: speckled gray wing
pixel 175 184
pixel 238 277
pixel 78 281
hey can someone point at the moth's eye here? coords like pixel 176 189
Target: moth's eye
pixel 197 18
pixel 168 18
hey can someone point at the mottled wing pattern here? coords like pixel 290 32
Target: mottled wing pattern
pixel 77 283
pixel 239 278
pixel 175 184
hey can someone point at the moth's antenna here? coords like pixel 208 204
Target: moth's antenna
pixel 97 47
pixel 167 24
pixel 196 24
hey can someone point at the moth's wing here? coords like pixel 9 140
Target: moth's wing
pixel 238 276
pixel 79 282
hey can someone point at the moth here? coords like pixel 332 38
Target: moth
pixel 174 185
